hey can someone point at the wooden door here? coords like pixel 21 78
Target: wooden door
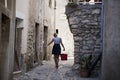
pixel 45 42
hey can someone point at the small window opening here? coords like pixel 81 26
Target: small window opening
pixel 57 31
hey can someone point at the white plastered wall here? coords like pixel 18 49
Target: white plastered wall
pixel 63 27
pixel 22 7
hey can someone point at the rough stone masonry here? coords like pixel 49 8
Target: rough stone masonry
pixel 85 24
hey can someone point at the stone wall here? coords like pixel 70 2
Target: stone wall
pixel 33 55
pixel 84 21
pixel 31 34
pixel 40 14
pixel 35 14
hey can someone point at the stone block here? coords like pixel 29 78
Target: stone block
pixel 84 42
pixel 93 24
pixel 77 13
pixel 85 21
pixel 98 41
pixel 99 18
pixel 81 34
pixel 74 26
pixel 77 60
pixel 90 42
pixel 87 51
pixel 76 48
pixel 76 38
pixel 73 20
pixel 83 17
pixel 87 32
pixel 85 47
pixel 97 47
pixel 76 43
pixel 80 31
pixel 96 11
pixel 97 50
pixel 74 31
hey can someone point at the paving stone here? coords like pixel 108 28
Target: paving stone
pixel 48 72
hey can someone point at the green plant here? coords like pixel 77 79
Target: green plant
pixel 72 4
pixel 85 61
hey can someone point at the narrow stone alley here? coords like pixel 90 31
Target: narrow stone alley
pixel 88 31
pixel 48 72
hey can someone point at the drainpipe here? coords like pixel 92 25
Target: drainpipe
pixel 102 24
pixel 102 34
pixel 6 3
pixel 54 15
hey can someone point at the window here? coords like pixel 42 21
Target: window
pixel 57 31
pixel 50 3
pixel 98 0
pixel 90 0
pixel 71 0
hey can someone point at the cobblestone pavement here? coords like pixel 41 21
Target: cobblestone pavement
pixel 48 72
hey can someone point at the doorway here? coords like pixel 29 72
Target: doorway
pixel 4 43
pixel 45 57
pixel 36 43
pixel 18 40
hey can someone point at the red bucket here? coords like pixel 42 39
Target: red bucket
pixel 63 56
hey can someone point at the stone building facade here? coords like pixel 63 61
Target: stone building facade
pixel 35 21
pixel 7 38
pixel 26 26
pixel 85 24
